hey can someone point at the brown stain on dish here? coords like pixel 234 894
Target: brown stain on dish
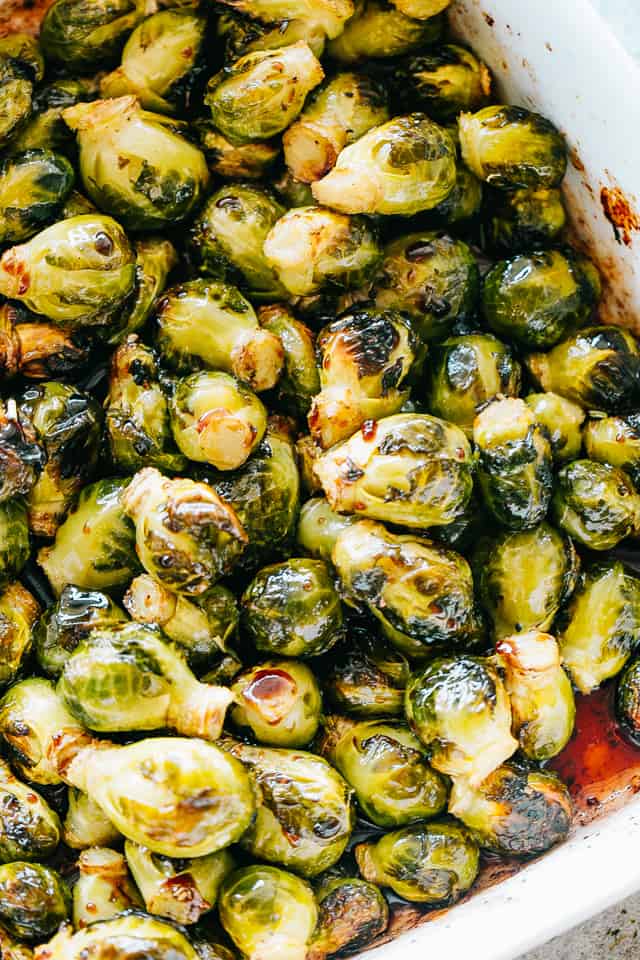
pixel 620 214
pixel 488 19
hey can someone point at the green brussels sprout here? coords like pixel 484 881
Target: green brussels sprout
pixel 186 536
pixel 34 900
pixel 216 419
pixel 510 148
pixel 292 609
pixel 541 695
pixel 246 161
pixel 85 35
pixel 21 456
pixel 164 176
pixel 421 593
pixel 627 702
pixel 421 9
pixel 162 62
pixel 29 828
pixel 598 367
pixel 387 767
pixel 319 527
pixel 125 676
pixel 410 469
pixel 33 188
pixel 514 463
pixel 127 937
pixel 430 276
pixel 307 453
pixel 279 702
pixel 432 863
pixel 104 888
pixel 85 825
pixel 16 95
pixel 91 275
pixel 180 890
pixel 563 420
pixel 535 299
pixel 301 796
pixel 209 323
pixel 463 203
pixel 367 678
pixel 400 167
pixel 46 129
pixel 292 192
pixel 465 372
pixel 14 539
pixel 38 350
pixel 596 504
pixel 19 611
pixel 259 95
pixel 95 546
pixel 24 49
pixel 518 811
pixel 241 35
pixel 615 440
pixel 269 914
pixel 300 379
pixel 339 112
pixel 460 709
pixel 379 30
pixel 523 577
pixel 155 258
pixel 524 219
pixel 441 82
pixel 600 625
pixel 329 15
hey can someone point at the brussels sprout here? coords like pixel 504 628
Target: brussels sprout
pixel 600 625
pixel 29 828
pixel 292 192
pixel 412 469
pixel 614 440
pixel 45 128
pixel 329 15
pixel 85 825
pixel 432 277
pixel 459 708
pixel 596 504
pixel 38 350
pixel 514 463
pixel 510 148
pixel 307 453
pixel 260 94
pixel 85 35
pixel 300 379
pixel 95 546
pixel 366 356
pixel 380 30
pixel 91 275
pixel 524 219
pixel 248 161
pixel 186 536
pixel 464 532
pixel 432 863
pixel 518 811
pixel 421 9
pixel 340 112
pixel 33 188
pixel 104 888
pixel 279 702
pixel 125 676
pixel 21 456
pixel 351 914
pixel 155 258
pixel 301 796
pixel 563 420
pixel 441 82
pixel 241 35
pixel 319 527
pixel 19 611
pixel 463 203
pixel 466 371
pixel 367 678
pixel 293 609
pixel 163 177
pixel 12 949
pixel 536 299
pixel 16 90
pixel 127 937
pixel 400 167
pixel 23 49
pixel 209 323
pixel 598 367
pixel 34 900
pixel 269 914
pixel 14 539
pixel 522 577
pixel 163 62
pixel 627 702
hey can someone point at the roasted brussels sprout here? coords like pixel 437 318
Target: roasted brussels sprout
pixel 34 900
pixel 292 192
pixel 19 611
pixel 330 15
pixel 442 82
pixel 614 440
pixel 524 219
pixel 300 380
pixel 24 50
pixel 127 937
pixel 13 949
pixel 155 258
pixel 432 863
pixel 518 811
pixel 563 420
pixel 600 625
pixel 209 323
pixel 463 203
pixel 319 527
pixel 368 677
pixel 14 539
pixel 260 94
pixel 45 128
pixel 293 609
pixel 103 889
pixel 29 828
pixel 95 546
pixel 430 276
pixel 351 913
pixel 380 30
pixel 21 456
pixel 510 148
pixel 33 188
pixel 85 825
pixel 596 504
pixel 250 161
pixel 279 702
pixel 410 469
pixel 242 35
pixel 459 708
pixel 307 453
pixel 627 703
pixel 38 350
pixel 16 92
pixel 84 35
pixel 421 9
pixel 400 167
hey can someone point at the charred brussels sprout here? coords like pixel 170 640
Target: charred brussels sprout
pixel 18 612
pixel 260 94
pixel 33 188
pixel 442 82
pixel 466 371
pixel 251 161
pixel 14 539
pixel 432 277
pixel 615 440
pixel 400 167
pixel 380 30
pixel 319 527
pixel 368 677
pixel 563 420
pixel 510 148
pixel 432 863
pixel 103 889
pixel 85 825
pixel 459 708
pixel 29 828
pixel 329 15
pixel 127 937
pixel 38 350
pixel 155 258
pixel 518 811
pixel 409 469
pixel 300 379
pixel 279 702
pixel 596 504
pixel 46 129
pixel 293 609
pixel 84 35
pixel 600 626
pixel 24 50
pixel 241 35
pixel 524 219
pixel 34 900
pixel 16 92
pixel 21 456
pixel 628 701
pixel 351 913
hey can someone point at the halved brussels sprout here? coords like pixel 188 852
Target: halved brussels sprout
pixel 410 469
pixel 379 30
pixel 518 811
pixel 38 350
pixel 241 35
pixel 21 456
pixel 85 825
pixel 293 609
pixel 430 276
pixel 615 440
pixel 45 128
pixel 104 888
pixel 510 148
pixel 329 15
pixel 85 35
pixel 432 863
pixel 400 167
pixel 563 420
pixel 300 379
pixel 19 611
pixel 33 188
pixel 596 504
pixel 279 702
pixel 16 92
pixel 460 709
pixel 600 626
pixel 442 82
pixel 524 219
pixel 367 677
pixel 319 527
pixel 34 900
pixel 127 937
pixel 155 258
pixel 25 51
pixel 351 914
pixel 29 828
pixel 260 94
pixel 250 161
pixel 14 539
